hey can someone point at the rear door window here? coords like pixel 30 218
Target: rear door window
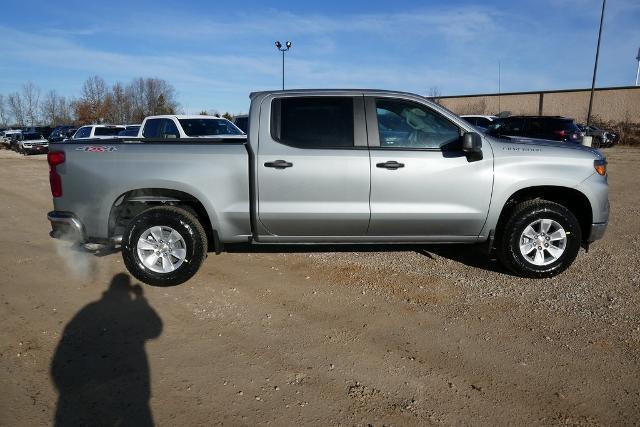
pixel 313 122
pixel 512 126
pixel 168 129
pixel 152 128
pixel 483 121
pixel 107 131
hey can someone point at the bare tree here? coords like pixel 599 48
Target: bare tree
pixel 3 112
pixel 120 105
pixel 92 100
pixel 434 94
pixel 64 111
pixel 49 106
pixel 31 98
pixel 17 109
pixel 159 97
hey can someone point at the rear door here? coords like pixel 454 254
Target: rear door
pixel 422 185
pixel 313 166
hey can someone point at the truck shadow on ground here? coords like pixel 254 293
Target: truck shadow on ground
pixel 100 367
pixel 470 255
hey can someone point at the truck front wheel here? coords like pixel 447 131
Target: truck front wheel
pixel 164 246
pixel 539 239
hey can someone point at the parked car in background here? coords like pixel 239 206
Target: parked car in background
pixel 183 126
pixel 480 121
pixel 555 128
pixel 130 130
pixel 60 133
pixel 601 138
pixel 11 138
pixel 242 121
pixel 98 132
pixel 45 131
pixel 32 143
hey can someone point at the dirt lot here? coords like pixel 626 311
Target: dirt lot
pixel 413 336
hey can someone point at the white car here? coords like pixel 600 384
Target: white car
pixel 32 143
pixel 188 127
pixel 98 132
pixel 479 120
pixel 8 135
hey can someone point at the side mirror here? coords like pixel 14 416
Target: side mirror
pixel 472 146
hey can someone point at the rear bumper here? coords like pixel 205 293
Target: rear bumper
pixel 597 231
pixel 65 226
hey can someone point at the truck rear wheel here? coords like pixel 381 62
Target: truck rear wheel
pixel 539 239
pixel 164 246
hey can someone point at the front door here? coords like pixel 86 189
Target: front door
pixel 422 184
pixel 313 167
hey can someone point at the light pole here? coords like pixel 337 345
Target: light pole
pixel 283 50
pixel 595 65
pixel 638 72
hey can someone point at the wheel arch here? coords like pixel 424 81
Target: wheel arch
pixel 574 200
pixel 130 203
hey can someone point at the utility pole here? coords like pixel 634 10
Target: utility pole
pixel 499 85
pixel 595 65
pixel 638 72
pixel 283 50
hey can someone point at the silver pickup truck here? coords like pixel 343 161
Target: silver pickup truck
pixel 331 166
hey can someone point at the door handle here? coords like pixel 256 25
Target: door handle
pixel 391 164
pixel 279 164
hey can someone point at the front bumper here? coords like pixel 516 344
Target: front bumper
pixel 597 231
pixel 36 148
pixel 65 226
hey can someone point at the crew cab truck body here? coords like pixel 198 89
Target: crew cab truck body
pixel 331 166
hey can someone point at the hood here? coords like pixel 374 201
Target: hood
pixel 533 142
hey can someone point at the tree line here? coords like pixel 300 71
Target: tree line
pixel 98 103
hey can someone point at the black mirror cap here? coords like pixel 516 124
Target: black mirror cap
pixel 472 145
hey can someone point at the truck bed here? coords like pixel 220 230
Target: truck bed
pixel 96 173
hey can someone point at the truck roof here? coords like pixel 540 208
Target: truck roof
pixel 184 116
pixel 344 91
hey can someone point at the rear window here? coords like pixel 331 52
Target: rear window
pixel 208 127
pixel 568 125
pixel 107 131
pixel 313 122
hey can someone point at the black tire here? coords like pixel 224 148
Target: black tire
pixel 525 213
pixel 184 223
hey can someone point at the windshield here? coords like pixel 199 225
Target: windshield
pixel 31 136
pixel 209 127
pixel 107 131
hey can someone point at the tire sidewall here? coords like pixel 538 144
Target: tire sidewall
pixel 561 216
pixel 183 225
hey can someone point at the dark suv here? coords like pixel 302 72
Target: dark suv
pixel 60 133
pixel 555 128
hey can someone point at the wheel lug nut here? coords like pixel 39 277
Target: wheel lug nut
pixel 548 238
pixel 546 245
pixel 539 248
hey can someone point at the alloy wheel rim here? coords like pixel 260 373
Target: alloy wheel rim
pixel 543 242
pixel 161 249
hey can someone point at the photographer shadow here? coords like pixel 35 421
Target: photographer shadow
pixel 100 366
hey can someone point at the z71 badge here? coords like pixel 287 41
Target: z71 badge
pixel 97 148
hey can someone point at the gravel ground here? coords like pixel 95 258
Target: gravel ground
pixel 374 335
